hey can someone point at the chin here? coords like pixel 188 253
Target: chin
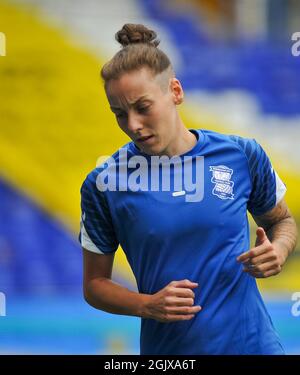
pixel 153 150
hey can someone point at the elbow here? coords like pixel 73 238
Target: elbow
pixel 92 293
pixel 86 295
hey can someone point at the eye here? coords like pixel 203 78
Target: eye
pixel 144 109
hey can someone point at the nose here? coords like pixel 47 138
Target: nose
pixel 134 123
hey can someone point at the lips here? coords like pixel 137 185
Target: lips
pixel 145 138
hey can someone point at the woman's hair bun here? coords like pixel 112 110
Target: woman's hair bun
pixel 136 33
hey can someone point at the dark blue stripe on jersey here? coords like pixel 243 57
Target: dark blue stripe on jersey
pixel 263 194
pixel 97 218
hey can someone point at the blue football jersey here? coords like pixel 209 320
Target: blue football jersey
pixel 194 230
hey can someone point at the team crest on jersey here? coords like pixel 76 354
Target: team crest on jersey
pixel 221 177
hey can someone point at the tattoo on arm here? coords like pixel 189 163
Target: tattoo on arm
pixel 280 226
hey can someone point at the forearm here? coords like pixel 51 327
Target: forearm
pixel 283 236
pixel 109 296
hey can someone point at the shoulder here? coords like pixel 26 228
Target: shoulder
pixel 246 146
pixel 232 139
pixel 106 164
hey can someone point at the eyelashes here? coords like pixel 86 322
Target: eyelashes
pixel 141 110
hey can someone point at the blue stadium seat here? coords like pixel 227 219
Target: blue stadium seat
pixel 37 254
pixel 265 69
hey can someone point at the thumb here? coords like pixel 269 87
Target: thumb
pixel 260 235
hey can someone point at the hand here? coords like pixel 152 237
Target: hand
pixel 264 259
pixel 172 303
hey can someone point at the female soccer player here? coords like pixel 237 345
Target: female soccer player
pixel 190 255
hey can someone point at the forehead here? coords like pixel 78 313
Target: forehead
pixel 133 86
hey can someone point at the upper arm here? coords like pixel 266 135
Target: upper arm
pixel 267 189
pixel 96 266
pixel 97 232
pixel 278 213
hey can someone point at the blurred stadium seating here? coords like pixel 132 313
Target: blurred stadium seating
pixel 55 123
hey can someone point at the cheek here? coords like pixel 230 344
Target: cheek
pixel 164 115
pixel 161 113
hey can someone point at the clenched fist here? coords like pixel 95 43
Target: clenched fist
pixel 172 303
pixel 264 259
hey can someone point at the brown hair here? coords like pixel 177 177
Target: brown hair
pixel 139 49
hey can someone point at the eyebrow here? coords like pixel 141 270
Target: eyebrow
pixel 142 98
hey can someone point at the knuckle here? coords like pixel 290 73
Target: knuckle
pixel 192 294
pixel 276 263
pixel 166 317
pixel 272 251
pixel 258 268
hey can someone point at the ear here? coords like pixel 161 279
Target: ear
pixel 177 91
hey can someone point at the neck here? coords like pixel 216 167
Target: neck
pixel 182 141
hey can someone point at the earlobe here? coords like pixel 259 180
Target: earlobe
pixel 178 97
pixel 179 100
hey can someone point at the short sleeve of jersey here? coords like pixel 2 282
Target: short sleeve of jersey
pixel 96 228
pixel 267 189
